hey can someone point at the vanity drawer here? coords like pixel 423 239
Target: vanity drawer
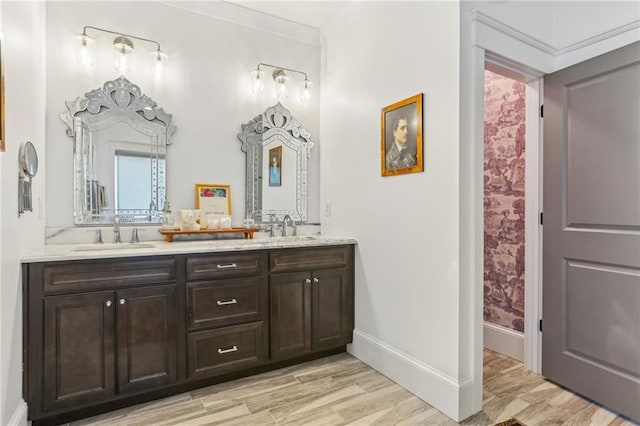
pixel 226 265
pixel 100 274
pixel 292 260
pixel 226 349
pixel 226 302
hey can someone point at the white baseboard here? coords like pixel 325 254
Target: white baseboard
pixel 19 417
pixel 504 340
pixel 427 383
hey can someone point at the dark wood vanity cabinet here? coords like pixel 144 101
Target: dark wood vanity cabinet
pixel 103 334
pixel 311 307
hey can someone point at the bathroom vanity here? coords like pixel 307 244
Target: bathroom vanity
pixel 108 329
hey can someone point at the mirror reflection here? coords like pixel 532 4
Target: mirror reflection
pixel 277 148
pixel 120 168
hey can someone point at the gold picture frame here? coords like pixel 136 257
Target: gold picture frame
pixel 2 125
pixel 213 199
pixel 401 137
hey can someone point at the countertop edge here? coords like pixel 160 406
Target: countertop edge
pixel 67 252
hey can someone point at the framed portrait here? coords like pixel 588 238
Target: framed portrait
pixel 275 166
pixel 401 137
pixel 213 199
pixel 2 127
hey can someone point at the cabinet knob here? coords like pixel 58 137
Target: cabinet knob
pixel 108 303
pixel 122 301
pixel 308 281
pixel 315 280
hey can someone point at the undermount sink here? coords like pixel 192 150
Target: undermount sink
pixel 115 246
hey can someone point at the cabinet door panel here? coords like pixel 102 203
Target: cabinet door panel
pixel 330 298
pixel 146 337
pixel 290 314
pixel 78 349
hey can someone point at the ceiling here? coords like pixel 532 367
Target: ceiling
pixel 316 14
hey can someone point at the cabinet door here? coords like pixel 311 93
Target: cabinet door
pixel 290 315
pixel 78 349
pixel 146 342
pixel 331 308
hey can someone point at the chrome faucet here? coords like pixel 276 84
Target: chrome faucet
pixel 286 218
pixel 134 236
pixel 273 220
pixel 116 229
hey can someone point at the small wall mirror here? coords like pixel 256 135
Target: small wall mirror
pixel 120 154
pixel 28 158
pixel 277 148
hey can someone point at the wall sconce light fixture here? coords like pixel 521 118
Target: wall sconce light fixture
pixel 123 48
pixel 280 77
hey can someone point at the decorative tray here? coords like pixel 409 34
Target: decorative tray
pixel 169 233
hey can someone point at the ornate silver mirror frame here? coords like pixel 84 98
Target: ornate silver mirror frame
pixel 118 101
pixel 275 127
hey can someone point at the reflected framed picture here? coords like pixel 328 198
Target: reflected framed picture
pixel 2 127
pixel 213 198
pixel 275 166
pixel 401 137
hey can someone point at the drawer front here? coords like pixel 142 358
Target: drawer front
pixel 102 274
pixel 226 302
pixel 291 260
pixel 226 265
pixel 226 349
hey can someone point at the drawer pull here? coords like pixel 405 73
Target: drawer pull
pixel 227 302
pixel 227 266
pixel 226 351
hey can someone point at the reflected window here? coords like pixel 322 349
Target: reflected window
pixel 133 180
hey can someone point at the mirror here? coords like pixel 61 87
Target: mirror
pixel 120 139
pixel 277 148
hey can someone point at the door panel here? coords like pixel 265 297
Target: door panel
pixel 591 271
pixel 330 308
pixel 78 349
pixel 290 315
pixel 146 337
pixel 603 153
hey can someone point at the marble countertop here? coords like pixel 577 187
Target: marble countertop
pixel 62 252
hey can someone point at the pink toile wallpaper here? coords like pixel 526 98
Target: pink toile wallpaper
pixel 504 121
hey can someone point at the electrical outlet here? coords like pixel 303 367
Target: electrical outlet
pixel 327 209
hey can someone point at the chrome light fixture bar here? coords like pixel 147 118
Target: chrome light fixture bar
pixel 123 47
pixel 281 78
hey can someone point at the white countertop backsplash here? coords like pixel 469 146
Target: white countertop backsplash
pixel 77 244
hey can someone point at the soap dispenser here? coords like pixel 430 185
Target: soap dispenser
pixel 167 216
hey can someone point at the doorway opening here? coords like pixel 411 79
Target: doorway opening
pixel 512 207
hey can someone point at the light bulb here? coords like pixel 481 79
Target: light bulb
pixel 306 90
pixel 123 47
pixel 85 50
pixel 257 82
pixel 160 61
pixel 281 78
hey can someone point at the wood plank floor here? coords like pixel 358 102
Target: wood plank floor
pixel 341 390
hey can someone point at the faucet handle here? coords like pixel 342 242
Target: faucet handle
pixel 134 236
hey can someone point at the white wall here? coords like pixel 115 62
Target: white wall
pixel 406 225
pixel 24 50
pixel 206 90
